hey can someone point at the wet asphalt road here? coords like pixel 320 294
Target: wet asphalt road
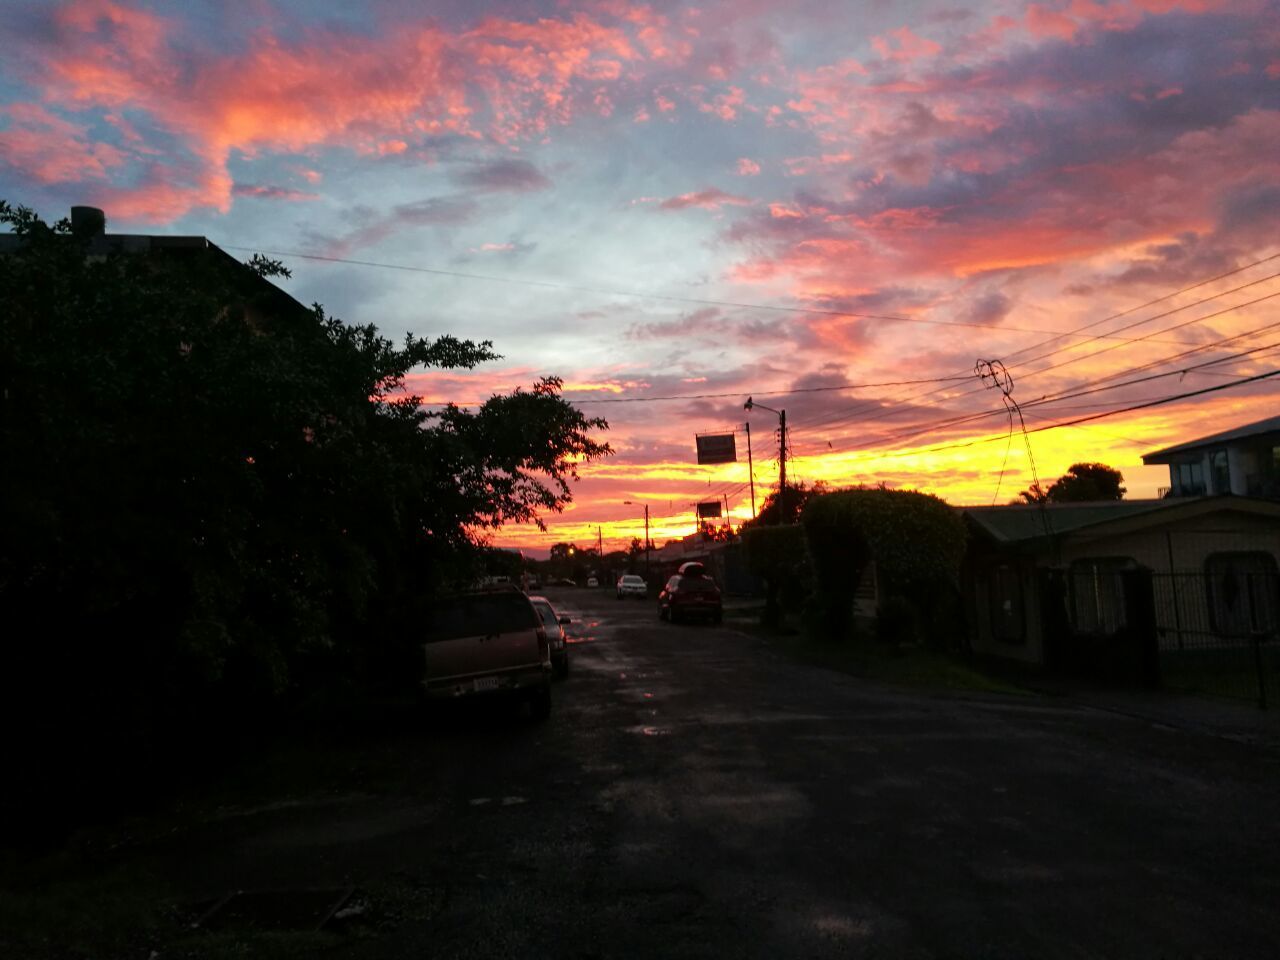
pixel 694 794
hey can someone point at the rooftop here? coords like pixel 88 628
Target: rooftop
pixel 1258 428
pixel 1026 523
pixel 1017 522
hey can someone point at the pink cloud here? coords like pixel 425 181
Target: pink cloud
pixel 502 79
pixel 50 149
pixel 1043 22
pixel 748 167
pixel 903 45
pixel 710 199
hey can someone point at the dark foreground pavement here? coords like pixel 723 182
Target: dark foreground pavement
pixel 696 795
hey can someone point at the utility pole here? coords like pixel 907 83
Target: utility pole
pixel 600 546
pixel 782 454
pixel 751 472
pixel 726 512
pixel 646 541
pixel 782 464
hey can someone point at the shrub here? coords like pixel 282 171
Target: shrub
pixel 778 555
pixel 916 540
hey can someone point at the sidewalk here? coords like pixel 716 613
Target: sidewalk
pixel 1237 721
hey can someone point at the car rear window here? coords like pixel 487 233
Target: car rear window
pixel 481 615
pixel 547 614
pixel 696 584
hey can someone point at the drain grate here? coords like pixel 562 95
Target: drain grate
pixel 274 909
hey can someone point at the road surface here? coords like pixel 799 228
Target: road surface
pixel 695 794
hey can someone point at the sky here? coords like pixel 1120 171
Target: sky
pixel 834 208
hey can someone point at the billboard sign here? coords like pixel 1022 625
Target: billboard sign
pixel 709 508
pixel 716 448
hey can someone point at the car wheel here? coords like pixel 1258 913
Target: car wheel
pixel 540 703
pixel 718 617
pixel 562 667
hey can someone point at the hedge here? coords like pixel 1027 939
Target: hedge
pixel 916 540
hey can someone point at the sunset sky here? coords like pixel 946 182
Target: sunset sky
pixel 715 201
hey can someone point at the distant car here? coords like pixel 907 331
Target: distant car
pixel 487 642
pixel 592 582
pixel 690 593
pixel 554 623
pixel 631 585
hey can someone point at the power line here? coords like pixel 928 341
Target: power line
pixel 846 416
pixel 1159 401
pixel 1083 389
pixel 854 411
pixel 642 295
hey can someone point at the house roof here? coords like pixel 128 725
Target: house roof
pixel 1026 525
pixel 1258 428
pixel 1021 521
pixel 179 246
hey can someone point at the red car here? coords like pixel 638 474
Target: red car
pixel 690 593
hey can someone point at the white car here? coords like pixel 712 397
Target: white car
pixel 631 585
pixel 592 582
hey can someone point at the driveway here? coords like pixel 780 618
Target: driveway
pixel 695 794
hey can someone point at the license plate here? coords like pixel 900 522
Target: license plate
pixel 485 683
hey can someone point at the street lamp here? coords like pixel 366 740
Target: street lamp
pixel 631 503
pixel 782 452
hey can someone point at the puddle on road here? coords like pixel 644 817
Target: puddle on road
pixel 647 731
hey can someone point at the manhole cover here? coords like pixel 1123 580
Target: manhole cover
pixel 274 909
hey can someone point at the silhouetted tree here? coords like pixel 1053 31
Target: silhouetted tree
pixel 210 489
pixel 771 512
pixel 1082 482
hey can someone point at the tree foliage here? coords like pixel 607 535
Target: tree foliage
pixel 211 488
pixel 1081 483
pixel 778 555
pixel 786 509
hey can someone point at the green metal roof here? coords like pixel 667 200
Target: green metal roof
pixel 1019 522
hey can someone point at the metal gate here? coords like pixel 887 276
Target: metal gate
pixel 1219 629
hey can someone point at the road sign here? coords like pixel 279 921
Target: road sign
pixel 709 508
pixel 716 448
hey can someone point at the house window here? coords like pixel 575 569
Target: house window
pixel 1220 472
pixel 1244 599
pixel 1008 616
pixel 1189 479
pixel 1097 594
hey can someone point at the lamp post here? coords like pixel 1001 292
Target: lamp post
pixel 782 453
pixel 631 503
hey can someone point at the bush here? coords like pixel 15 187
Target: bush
pixel 897 621
pixel 916 540
pixel 778 556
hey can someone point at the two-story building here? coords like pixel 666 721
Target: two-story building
pixel 1244 461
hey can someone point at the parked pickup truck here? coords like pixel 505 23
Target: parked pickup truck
pixel 489 641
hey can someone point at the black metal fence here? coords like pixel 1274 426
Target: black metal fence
pixel 1214 631
pixel 1218 630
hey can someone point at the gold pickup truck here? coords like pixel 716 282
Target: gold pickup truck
pixel 487 642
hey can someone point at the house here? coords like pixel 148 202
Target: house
pixel 1036 574
pixel 1244 461
pixel 264 303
